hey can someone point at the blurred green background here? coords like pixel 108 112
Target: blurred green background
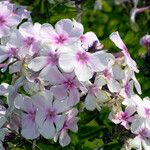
pixel 95 130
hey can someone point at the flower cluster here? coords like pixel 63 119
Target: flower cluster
pixel 54 68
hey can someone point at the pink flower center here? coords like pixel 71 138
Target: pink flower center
pixel 124 116
pixel 52 58
pixel 51 114
pixel 82 57
pixel 147 112
pixel 69 84
pixel 61 39
pixel 31 115
pixel 2 20
pixel 28 41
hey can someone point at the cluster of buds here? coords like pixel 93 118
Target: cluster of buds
pixel 53 68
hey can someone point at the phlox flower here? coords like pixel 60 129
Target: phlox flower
pixel 88 40
pixel 30 37
pixel 115 37
pixel 143 109
pixel 136 11
pixel 124 118
pixel 69 124
pixel 7 19
pixel 66 32
pixel 95 96
pixel 83 63
pixel 29 128
pixel 142 139
pixel 128 84
pixel 112 75
pixel 49 116
pixel 65 86
pixel 47 61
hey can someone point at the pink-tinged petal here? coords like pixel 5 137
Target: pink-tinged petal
pixel 59 122
pixel 37 63
pixel 66 61
pixel 83 72
pixel 137 85
pixel 4 31
pixel 60 106
pixel 115 37
pixel 114 118
pixel 3 50
pixel 59 92
pixel 43 99
pixel 16 67
pixel 23 103
pixel 125 124
pixel 4 11
pixel 16 39
pixel 148 123
pixel 78 26
pixel 52 74
pixel 27 29
pixel 74 97
pixel 146 144
pixel 29 128
pixel 47 32
pixel 40 117
pixel 47 130
pixel 130 62
pixel 73 124
pixel 64 25
pixel 88 39
pixel 136 143
pixel 72 29
pixel 72 113
pixel 64 138
pixel 137 125
pixel 90 102
pixel 13 20
pixel 101 60
pixel 114 86
pixel 130 110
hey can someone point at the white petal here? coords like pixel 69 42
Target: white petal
pixel 101 60
pixel 59 122
pixel 90 102
pixel 23 103
pixel 136 143
pixel 37 63
pixel 43 99
pixel 115 37
pixel 52 74
pixel 29 128
pixel 60 106
pixel 64 139
pixel 74 97
pixel 59 92
pixel 83 72
pixel 66 62
pixel 47 130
